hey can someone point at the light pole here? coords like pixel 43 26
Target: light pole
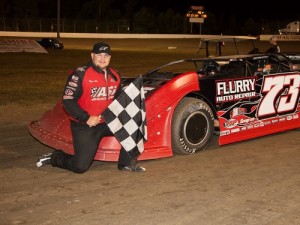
pixel 58 20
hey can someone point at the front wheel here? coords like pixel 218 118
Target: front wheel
pixel 192 126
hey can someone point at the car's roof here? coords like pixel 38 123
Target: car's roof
pixel 231 57
pixel 228 38
pixel 236 56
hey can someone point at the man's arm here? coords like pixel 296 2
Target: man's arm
pixel 72 92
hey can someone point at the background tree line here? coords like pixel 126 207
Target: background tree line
pixel 142 16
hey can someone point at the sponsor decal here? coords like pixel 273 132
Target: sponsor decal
pixel 237 111
pixel 233 90
pixel 93 81
pixel 225 132
pixel 98 93
pixel 235 130
pixel 81 69
pixel 287 37
pixel 68 92
pixel 256 125
pixel 267 122
pixel 74 78
pixel 72 84
pixel 71 88
pixel 230 123
pixel 67 97
pixel 20 45
pixel 246 120
pixel 250 126
pixel 282 119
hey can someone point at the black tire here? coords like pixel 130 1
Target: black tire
pixel 192 126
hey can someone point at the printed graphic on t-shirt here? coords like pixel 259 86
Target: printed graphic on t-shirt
pixel 100 93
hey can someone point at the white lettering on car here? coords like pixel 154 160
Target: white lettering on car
pixel 280 95
pixel 232 90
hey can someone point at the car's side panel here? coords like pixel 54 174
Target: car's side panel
pixel 171 91
pixel 258 107
pixel 53 129
pixel 160 107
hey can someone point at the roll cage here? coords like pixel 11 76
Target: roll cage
pixel 236 66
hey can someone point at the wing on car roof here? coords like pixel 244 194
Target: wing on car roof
pixel 220 40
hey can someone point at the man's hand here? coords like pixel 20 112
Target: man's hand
pixel 94 121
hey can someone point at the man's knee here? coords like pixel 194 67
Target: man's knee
pixel 80 169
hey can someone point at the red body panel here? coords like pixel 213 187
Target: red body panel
pixel 53 129
pixel 261 128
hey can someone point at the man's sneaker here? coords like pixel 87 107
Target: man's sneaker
pixel 132 168
pixel 44 160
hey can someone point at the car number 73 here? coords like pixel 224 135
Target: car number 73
pixel 280 95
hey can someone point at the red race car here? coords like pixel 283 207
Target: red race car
pixel 188 101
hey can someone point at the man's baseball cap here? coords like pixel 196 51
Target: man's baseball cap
pixel 101 47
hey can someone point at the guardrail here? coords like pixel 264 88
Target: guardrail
pixel 97 35
pixel 135 36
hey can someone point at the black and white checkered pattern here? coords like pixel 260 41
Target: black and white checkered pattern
pixel 126 118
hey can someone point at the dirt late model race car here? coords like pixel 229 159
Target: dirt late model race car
pixel 188 101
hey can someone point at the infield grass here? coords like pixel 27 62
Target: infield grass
pixel 30 78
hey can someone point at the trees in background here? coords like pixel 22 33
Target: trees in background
pixel 142 18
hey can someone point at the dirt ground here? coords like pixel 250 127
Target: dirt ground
pixel 255 182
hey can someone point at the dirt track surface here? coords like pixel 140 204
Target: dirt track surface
pixel 254 182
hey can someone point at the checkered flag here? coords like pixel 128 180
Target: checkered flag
pixel 126 118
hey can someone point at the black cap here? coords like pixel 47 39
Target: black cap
pixel 101 47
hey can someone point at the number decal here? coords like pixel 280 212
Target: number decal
pixel 280 95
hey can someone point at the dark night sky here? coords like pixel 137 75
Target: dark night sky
pixel 243 9
pixel 258 9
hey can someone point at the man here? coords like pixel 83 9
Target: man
pixel 88 92
pixel 274 48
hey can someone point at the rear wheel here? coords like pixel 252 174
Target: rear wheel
pixel 192 126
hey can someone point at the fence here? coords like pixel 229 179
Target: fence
pixel 66 25
pixel 94 26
